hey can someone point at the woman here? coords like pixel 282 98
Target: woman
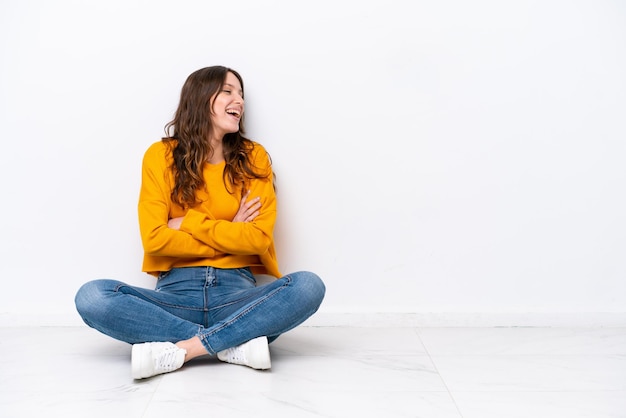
pixel 207 209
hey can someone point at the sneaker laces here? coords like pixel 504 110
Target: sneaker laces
pixel 235 354
pixel 166 360
pixel 254 353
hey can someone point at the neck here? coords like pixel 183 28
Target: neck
pixel 218 151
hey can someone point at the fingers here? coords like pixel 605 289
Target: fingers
pixel 251 217
pixel 248 209
pixel 244 199
pixel 252 209
pixel 254 204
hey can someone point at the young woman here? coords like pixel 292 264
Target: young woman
pixel 207 209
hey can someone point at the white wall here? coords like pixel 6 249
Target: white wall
pixel 452 162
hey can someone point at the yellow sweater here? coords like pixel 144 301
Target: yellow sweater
pixel 207 235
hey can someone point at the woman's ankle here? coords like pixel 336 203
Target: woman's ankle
pixel 194 348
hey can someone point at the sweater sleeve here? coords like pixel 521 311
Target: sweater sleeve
pixel 154 211
pixel 242 238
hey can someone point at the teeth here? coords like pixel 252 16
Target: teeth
pixel 232 112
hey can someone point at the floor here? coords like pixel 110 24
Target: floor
pixel 328 372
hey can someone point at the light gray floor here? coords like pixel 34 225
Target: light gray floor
pixel 328 372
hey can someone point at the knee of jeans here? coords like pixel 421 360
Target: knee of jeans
pixel 315 287
pixel 89 298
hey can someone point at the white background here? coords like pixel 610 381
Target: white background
pixel 446 159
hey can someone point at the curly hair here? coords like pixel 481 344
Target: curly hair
pixel 189 142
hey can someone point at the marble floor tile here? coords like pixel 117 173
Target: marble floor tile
pixel 307 404
pixel 328 372
pixel 324 373
pixel 117 403
pixel 532 373
pixel 602 404
pixel 336 341
pixel 524 341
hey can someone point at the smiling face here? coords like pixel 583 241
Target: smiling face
pixel 227 107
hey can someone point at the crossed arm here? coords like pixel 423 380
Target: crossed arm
pixel 248 210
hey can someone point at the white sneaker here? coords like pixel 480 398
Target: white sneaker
pixel 255 353
pixel 150 359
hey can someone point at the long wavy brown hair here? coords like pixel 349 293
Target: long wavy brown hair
pixel 188 135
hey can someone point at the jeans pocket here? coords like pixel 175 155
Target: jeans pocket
pixel 246 274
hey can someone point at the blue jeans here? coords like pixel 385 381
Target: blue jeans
pixel 223 307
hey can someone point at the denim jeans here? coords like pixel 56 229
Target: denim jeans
pixel 223 307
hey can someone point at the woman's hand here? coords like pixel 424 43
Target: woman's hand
pixel 248 209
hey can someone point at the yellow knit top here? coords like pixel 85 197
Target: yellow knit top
pixel 207 235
